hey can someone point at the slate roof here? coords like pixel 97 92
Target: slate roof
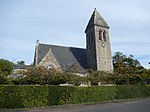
pixel 66 56
pixel 19 66
pixel 96 19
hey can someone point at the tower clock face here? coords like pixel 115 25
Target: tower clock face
pixel 103 44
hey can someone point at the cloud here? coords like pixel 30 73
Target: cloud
pixel 63 23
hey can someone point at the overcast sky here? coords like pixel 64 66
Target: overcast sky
pixel 62 22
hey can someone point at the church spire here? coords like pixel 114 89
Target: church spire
pixel 96 19
pixel 98 44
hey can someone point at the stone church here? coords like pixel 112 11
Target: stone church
pixel 96 56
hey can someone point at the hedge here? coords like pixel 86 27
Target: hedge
pixel 39 96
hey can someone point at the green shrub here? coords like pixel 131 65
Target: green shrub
pixel 3 80
pixel 38 95
pixel 132 91
pixel 60 94
pixel 92 94
pixel 2 96
pixel 42 76
pixel 23 96
pixel 6 67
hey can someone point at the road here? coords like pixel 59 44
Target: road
pixel 141 105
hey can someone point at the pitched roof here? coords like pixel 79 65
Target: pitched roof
pixel 20 66
pixel 66 56
pixel 96 19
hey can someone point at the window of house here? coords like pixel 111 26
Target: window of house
pixel 100 35
pixel 110 66
pixel 105 62
pixel 104 36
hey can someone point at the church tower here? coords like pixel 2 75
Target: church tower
pixel 98 44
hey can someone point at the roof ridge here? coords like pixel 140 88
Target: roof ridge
pixel 60 46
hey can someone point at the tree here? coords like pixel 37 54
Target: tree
pixel 128 70
pixel 42 75
pixel 101 77
pixel 118 57
pixel 35 75
pixel 125 64
pixel 6 67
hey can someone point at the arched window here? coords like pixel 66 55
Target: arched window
pixel 104 35
pixel 100 35
pixel 51 66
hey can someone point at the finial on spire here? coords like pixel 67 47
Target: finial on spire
pixel 37 42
